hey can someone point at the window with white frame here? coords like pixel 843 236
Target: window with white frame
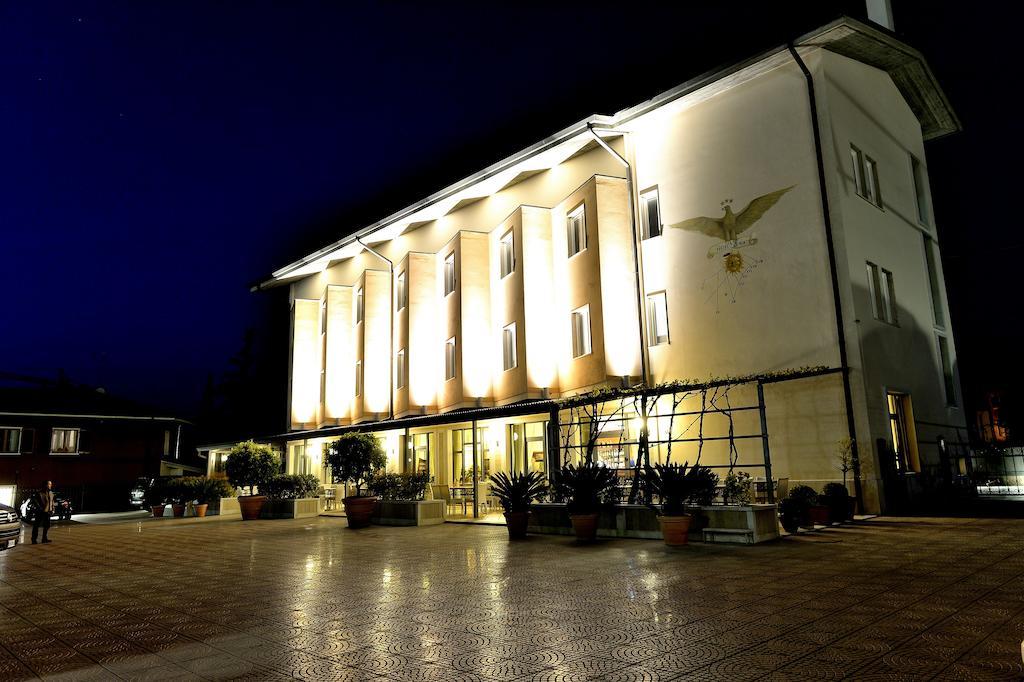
pixel 920 189
pixel 576 230
pixel 581 341
pixel 359 305
pixel 657 319
pixel 359 377
pixel 948 381
pixel 400 369
pixel 10 440
pixel 449 359
pixel 865 176
pixel 449 273
pixel 64 442
pixel 650 214
pixel 883 294
pixel 507 254
pixel 508 347
pixel 401 293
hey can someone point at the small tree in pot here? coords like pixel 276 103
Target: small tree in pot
pixel 179 492
pixel 354 458
pixel 249 466
pixel 794 511
pixel 585 488
pixel 675 485
pixel 515 494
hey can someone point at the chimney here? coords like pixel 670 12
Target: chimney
pixel 880 12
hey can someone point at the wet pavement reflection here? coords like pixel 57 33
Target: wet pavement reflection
pixel 310 599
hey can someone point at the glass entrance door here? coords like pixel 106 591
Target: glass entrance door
pixel 528 447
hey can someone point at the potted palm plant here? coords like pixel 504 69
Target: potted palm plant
pixel 249 466
pixel 585 489
pixel 515 493
pixel 675 485
pixel 354 458
pixel 206 490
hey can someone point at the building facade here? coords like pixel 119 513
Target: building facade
pixel 761 239
pixel 93 447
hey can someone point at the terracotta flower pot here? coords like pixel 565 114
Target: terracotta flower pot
pixel 251 506
pixel 358 510
pixel 516 523
pixel 819 515
pixel 675 530
pixel 201 510
pixel 158 510
pixel 585 526
pixel 178 510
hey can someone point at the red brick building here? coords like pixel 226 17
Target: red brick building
pixel 93 446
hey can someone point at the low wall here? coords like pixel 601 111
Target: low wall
pixel 408 513
pixel 640 521
pixel 303 508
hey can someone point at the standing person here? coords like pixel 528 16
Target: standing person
pixel 44 508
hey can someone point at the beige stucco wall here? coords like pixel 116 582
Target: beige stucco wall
pixel 339 361
pixel 864 108
pixel 305 362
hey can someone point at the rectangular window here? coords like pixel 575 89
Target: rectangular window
pixel 359 377
pixel 449 359
pixel 865 176
pixel 401 293
pixel 650 214
pixel 904 444
pixel 948 381
pixel 883 294
pixel 400 369
pixel 359 305
pixel 64 442
pixel 657 319
pixel 581 332
pixel 10 440
pixel 920 190
pixel 323 316
pixel 508 254
pixel 508 347
pixel 167 443
pixel 934 284
pixel 576 230
pixel 449 273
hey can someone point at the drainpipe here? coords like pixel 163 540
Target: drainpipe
pixel 851 426
pixel 637 264
pixel 391 326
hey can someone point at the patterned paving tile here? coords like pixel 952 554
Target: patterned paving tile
pixel 309 599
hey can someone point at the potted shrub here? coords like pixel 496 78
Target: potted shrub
pixel 675 485
pixel 836 497
pixel 249 466
pixel 795 509
pixel 354 458
pixel 737 490
pixel 515 493
pixel 292 496
pixel 177 490
pixel 402 500
pixel 585 489
pixel 155 496
pixel 207 490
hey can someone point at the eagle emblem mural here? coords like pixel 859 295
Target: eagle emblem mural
pixel 730 229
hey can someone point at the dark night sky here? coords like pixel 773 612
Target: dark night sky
pixel 159 157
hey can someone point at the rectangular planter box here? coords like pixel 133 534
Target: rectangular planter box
pixel 622 521
pixel 228 507
pixel 746 524
pixel 408 513
pixel 292 509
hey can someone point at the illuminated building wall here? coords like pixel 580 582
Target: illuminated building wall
pixel 720 294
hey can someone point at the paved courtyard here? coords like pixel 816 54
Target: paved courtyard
pixel 267 600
